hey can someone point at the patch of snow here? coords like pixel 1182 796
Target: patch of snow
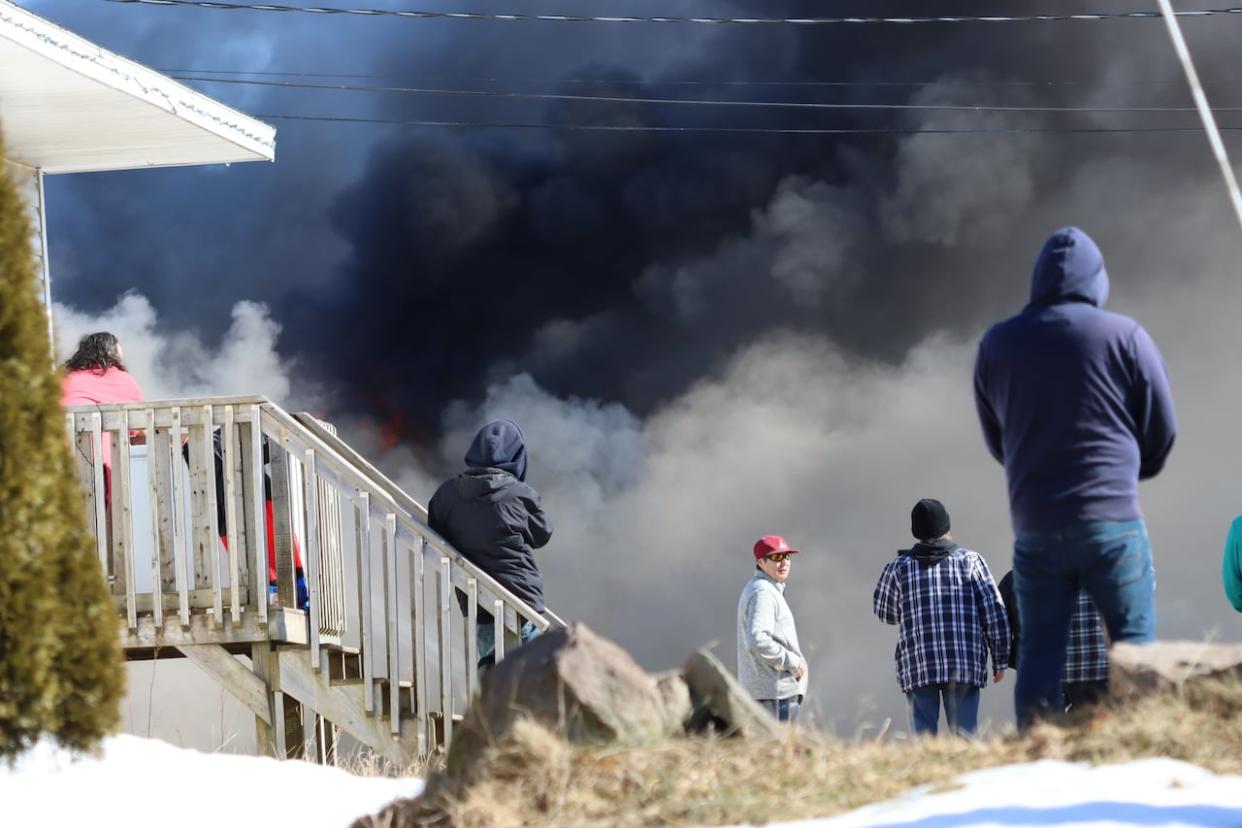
pixel 1149 792
pixel 140 782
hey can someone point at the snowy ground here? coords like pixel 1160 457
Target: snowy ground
pixel 145 782
pixel 1151 792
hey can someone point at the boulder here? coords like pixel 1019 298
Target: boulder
pixel 578 685
pixel 721 701
pixel 675 694
pixel 1144 669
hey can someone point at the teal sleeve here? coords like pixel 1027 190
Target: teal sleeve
pixel 1232 565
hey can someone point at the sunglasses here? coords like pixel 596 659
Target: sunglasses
pixel 779 557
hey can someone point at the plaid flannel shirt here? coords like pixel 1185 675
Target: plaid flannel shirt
pixel 949 614
pixel 1086 658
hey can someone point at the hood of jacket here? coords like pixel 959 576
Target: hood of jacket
pixel 930 553
pixel 1070 268
pixel 499 445
pixel 484 484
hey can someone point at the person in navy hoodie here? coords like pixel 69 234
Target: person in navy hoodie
pixel 493 518
pixel 1075 402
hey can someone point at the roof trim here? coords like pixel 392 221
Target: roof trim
pixel 74 52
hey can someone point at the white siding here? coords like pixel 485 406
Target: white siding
pixel 31 189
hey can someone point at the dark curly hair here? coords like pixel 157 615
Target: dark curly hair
pixel 96 352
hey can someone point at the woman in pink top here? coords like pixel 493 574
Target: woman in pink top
pixel 98 376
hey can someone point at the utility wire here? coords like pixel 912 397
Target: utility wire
pixel 575 18
pixel 673 82
pixel 549 96
pixel 742 130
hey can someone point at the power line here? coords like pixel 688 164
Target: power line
pixel 575 18
pixel 548 96
pixel 743 130
pixel 167 71
pixel 674 81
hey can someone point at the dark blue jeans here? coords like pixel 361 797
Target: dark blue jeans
pixel 485 637
pixel 785 710
pixel 1112 562
pixel 961 708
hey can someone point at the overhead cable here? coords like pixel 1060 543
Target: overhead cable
pixel 740 130
pixel 699 102
pixel 576 18
pixel 673 81
pixel 549 96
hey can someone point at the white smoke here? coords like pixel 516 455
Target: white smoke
pixel 790 436
pixel 655 519
pixel 171 365
pixel 802 243
pixel 959 189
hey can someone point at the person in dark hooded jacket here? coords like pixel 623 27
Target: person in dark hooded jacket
pixel 949 616
pixel 1075 402
pixel 495 520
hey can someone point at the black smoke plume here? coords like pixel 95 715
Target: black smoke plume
pixel 411 267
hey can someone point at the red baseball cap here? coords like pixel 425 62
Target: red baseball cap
pixel 769 544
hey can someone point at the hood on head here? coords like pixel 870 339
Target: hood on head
pixel 930 553
pixel 1070 268
pixel 484 484
pixel 499 445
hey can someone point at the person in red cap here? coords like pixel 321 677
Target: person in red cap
pixel 770 665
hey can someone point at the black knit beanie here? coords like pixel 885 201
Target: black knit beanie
pixel 929 520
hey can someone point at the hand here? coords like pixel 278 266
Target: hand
pixel 998 675
pixel 800 671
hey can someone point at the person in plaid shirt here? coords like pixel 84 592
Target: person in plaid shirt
pixel 950 616
pixel 1084 681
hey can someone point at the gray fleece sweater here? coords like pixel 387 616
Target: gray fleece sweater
pixel 767 641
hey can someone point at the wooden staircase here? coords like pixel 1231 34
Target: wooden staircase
pixel 380 650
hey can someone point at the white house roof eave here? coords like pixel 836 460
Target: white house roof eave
pixel 67 105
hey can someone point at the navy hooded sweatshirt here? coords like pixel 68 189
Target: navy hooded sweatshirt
pixel 491 516
pixel 1074 400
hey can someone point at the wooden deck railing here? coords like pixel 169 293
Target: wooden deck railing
pixel 181 530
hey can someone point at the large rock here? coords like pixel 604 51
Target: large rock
pixel 719 699
pixel 577 684
pixel 675 695
pixel 1144 669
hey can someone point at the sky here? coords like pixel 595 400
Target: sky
pixel 707 337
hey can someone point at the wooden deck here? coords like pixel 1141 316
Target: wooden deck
pixel 381 649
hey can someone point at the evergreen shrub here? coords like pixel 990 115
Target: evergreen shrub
pixel 61 672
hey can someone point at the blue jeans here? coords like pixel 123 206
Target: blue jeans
pixel 961 708
pixel 485 637
pixel 1112 562
pixel 785 710
pixel 303 592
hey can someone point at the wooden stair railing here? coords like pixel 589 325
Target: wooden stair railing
pixel 181 528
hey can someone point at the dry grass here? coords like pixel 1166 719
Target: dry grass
pixel 364 762
pixel 534 778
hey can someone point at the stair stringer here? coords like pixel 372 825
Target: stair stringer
pixel 343 706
